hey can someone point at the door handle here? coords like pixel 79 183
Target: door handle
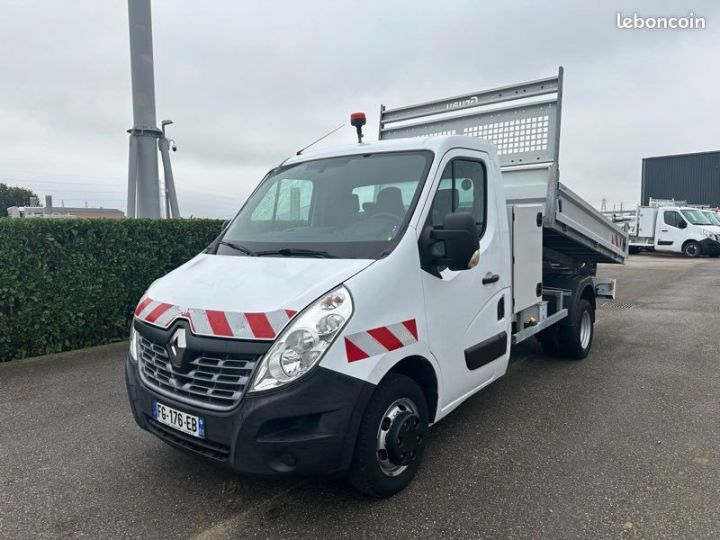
pixel 490 278
pixel 663 230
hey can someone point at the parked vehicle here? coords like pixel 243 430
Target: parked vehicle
pixel 674 229
pixel 712 218
pixel 362 293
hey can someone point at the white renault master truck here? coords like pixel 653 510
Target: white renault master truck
pixel 364 292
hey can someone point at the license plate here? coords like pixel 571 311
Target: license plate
pixel 187 423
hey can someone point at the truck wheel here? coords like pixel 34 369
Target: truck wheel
pixel 633 250
pixel 576 340
pixel 391 438
pixel 692 249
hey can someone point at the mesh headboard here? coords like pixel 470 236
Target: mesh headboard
pixel 525 129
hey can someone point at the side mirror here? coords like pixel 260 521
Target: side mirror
pixel 682 225
pixel 459 235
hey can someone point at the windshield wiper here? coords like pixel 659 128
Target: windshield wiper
pixel 239 247
pixel 289 252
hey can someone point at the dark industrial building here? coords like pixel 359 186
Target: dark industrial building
pixel 694 178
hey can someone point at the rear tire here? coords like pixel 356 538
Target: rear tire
pixel 576 340
pixel 397 409
pixel 692 249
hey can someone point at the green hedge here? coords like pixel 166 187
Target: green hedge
pixel 70 283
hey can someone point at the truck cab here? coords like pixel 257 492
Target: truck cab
pixel 360 295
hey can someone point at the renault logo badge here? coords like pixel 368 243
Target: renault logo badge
pixel 177 348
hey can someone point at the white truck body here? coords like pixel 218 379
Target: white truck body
pixel 674 229
pixel 484 249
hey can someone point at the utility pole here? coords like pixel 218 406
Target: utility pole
pixel 171 202
pixel 143 180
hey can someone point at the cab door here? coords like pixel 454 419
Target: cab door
pixel 468 311
pixel 671 228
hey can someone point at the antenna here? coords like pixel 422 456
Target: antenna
pixel 318 140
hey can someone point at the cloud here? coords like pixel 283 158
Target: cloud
pixel 248 83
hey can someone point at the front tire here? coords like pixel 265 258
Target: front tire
pixel 391 438
pixel 692 249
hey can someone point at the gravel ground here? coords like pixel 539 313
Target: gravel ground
pixel 625 444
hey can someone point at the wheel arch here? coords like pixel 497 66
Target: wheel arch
pixel 588 293
pixel 420 370
pixel 582 288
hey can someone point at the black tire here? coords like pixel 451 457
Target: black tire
pixel 575 344
pixel 366 473
pixel 550 341
pixel 633 250
pixel 692 249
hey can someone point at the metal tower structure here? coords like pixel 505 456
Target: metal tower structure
pixel 144 196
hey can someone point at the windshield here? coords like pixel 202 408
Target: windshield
pixel 350 207
pixel 695 217
pixel 712 218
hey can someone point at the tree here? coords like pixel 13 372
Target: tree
pixel 13 196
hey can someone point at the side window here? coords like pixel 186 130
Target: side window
pixel 462 189
pixel 671 218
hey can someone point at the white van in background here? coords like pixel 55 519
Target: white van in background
pixel 712 217
pixel 674 229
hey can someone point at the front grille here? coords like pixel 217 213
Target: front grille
pixel 212 381
pixel 206 448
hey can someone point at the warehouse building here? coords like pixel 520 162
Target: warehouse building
pixel 694 178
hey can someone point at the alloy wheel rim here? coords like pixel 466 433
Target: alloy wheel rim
pixel 585 330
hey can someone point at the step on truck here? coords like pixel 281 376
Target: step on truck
pixel 674 229
pixel 363 292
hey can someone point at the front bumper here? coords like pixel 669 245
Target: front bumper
pixel 710 247
pixel 306 428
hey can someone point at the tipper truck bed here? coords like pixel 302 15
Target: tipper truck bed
pixel 363 292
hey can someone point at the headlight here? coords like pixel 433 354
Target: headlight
pixel 302 344
pixel 133 344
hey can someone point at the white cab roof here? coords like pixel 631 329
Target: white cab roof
pixel 437 144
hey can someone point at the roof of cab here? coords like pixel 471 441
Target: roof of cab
pixel 439 144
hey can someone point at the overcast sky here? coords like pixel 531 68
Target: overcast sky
pixel 248 83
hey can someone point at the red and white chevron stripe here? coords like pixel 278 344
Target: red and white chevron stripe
pixel 616 240
pixel 213 323
pixel 380 340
